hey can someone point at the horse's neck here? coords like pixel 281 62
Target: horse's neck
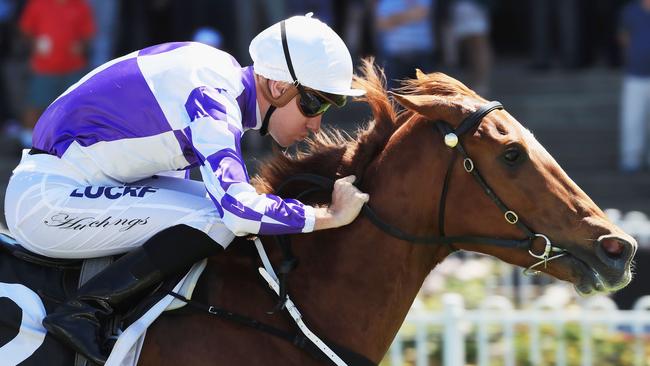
pixel 356 283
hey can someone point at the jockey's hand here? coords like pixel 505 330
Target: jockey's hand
pixel 347 201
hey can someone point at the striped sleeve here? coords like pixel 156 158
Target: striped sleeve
pixel 215 131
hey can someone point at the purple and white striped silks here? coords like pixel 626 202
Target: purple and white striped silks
pixel 166 108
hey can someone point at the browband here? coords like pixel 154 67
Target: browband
pixel 476 117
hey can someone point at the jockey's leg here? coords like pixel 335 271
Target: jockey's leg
pixel 53 210
pixel 77 322
pixel 62 217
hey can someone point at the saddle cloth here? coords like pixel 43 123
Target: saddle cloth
pixel 28 291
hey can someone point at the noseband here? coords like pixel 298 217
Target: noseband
pixel 452 140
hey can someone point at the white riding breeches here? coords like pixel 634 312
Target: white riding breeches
pixel 54 210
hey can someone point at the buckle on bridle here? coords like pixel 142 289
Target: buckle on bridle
pixel 511 217
pixel 468 164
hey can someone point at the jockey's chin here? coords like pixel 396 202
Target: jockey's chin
pixel 286 140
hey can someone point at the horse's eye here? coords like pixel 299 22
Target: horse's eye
pixel 513 155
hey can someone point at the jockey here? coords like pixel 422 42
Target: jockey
pixel 108 171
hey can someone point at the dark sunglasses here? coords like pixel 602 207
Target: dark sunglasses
pixel 310 102
pixel 313 103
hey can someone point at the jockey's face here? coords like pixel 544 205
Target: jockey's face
pixel 287 124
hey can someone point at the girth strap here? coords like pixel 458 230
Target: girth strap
pixel 289 263
pixel 299 340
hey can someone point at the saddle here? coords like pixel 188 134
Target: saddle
pixel 11 246
pixel 49 282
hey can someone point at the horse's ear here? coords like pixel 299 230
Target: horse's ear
pixel 431 106
pixel 419 74
pixel 413 102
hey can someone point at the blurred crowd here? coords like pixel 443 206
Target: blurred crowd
pixel 45 45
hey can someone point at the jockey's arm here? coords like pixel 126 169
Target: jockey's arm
pixel 215 133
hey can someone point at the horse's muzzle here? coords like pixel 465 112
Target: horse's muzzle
pixel 616 253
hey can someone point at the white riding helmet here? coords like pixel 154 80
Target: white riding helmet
pixel 320 59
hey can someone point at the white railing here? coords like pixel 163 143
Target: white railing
pixel 454 323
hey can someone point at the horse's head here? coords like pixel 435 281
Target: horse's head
pixel 528 182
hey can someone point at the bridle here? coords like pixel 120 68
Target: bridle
pixel 452 140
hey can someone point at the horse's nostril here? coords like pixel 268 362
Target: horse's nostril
pixel 613 247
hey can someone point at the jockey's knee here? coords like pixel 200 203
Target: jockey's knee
pixel 176 248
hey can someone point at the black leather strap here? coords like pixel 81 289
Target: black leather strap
pixel 264 130
pixel 476 117
pixel 350 357
pixel 490 193
pixel 327 184
pixel 444 129
pixel 287 55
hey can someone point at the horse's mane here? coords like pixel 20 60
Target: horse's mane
pixel 333 153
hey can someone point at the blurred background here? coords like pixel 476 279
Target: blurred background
pixel 575 72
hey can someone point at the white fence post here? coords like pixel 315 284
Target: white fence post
pixel 590 307
pixel 492 305
pixel 498 311
pixel 396 350
pixel 421 347
pixel 454 340
pixel 642 305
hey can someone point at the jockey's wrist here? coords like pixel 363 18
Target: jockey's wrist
pixel 325 219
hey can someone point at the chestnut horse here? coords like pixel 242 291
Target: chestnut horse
pixel 354 285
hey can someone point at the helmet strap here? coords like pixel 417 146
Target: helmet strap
pixel 287 55
pixel 264 130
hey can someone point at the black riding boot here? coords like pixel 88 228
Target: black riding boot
pixel 78 321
